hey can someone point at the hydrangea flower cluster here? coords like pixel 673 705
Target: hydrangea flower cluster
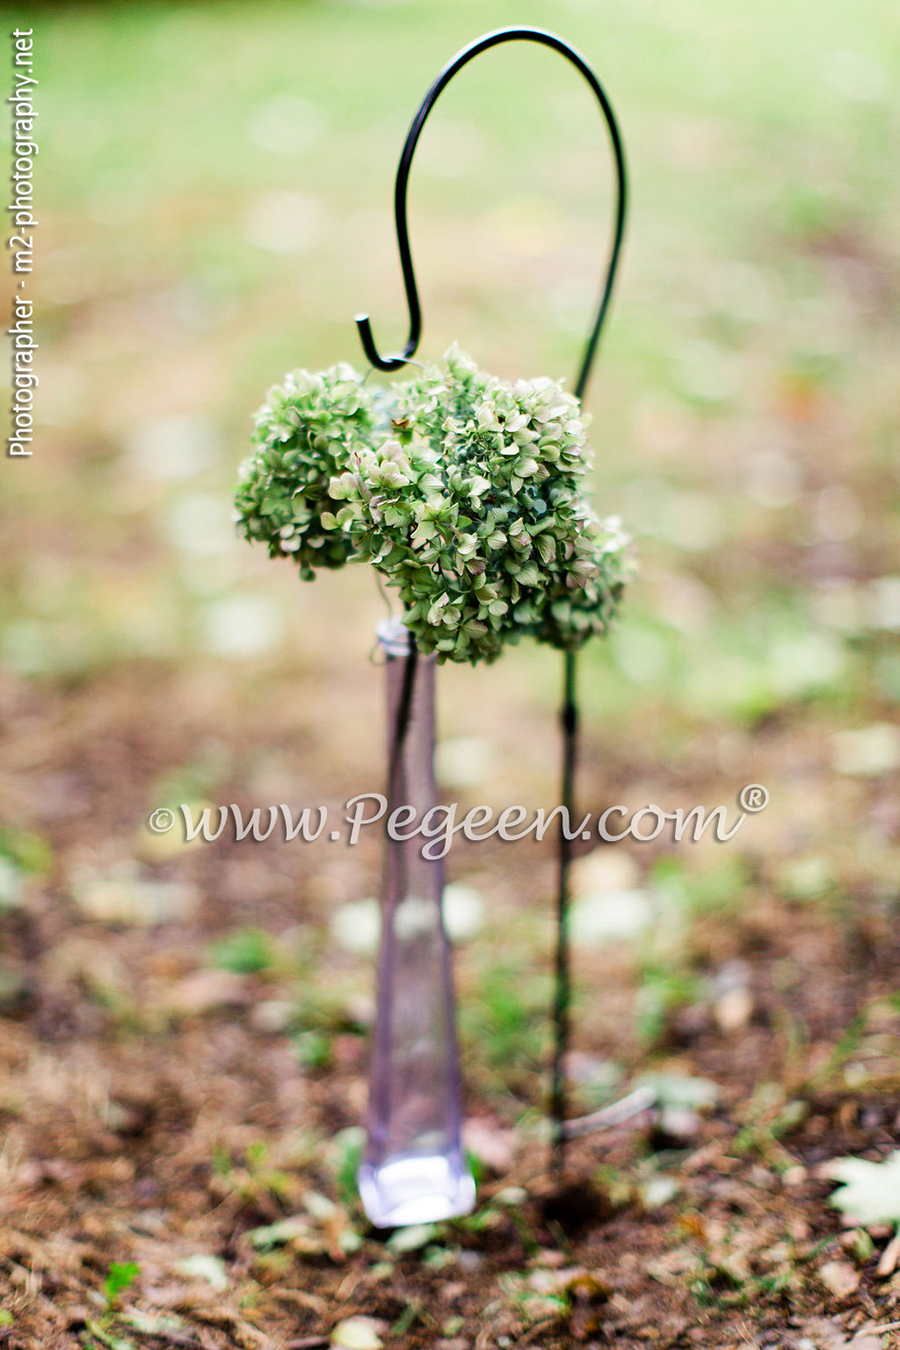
pixel 463 490
pixel 308 432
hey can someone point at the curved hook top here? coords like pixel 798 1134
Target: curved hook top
pixel 546 39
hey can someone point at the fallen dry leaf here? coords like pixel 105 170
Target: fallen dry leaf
pixel 207 990
pixel 840 1278
pixel 889 1257
pixel 356 1333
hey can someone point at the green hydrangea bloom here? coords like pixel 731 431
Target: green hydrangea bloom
pixel 305 434
pixel 464 492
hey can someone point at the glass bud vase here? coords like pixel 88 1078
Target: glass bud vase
pixel 413 1170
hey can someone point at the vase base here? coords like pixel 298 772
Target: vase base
pixel 415 1190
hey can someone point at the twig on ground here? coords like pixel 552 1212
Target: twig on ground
pixel 615 1114
pixel 889 1257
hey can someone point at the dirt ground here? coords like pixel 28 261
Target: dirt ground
pixel 163 1112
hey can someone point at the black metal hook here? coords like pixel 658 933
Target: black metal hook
pixel 462 58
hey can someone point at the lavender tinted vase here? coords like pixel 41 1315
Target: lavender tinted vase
pixel 413 1170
